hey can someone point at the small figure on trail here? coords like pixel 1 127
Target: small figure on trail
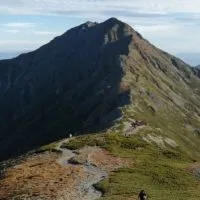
pixel 70 135
pixel 142 195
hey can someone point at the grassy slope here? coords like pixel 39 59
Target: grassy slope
pixel 169 101
pixel 161 172
pixel 172 112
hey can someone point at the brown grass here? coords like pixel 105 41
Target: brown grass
pixel 38 176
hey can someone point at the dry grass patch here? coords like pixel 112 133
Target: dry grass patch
pixel 39 176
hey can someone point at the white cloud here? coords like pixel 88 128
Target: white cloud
pixel 10 42
pixel 20 45
pixel 19 25
pixel 46 33
pixel 155 28
pixel 98 6
pixel 11 31
pixel 173 25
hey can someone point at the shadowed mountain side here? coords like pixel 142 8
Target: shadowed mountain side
pixel 72 84
pixel 81 81
pixel 196 70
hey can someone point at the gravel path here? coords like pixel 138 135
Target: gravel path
pixel 92 175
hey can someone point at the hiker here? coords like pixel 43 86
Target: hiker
pixel 142 195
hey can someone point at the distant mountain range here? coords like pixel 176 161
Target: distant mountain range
pixel 198 66
pixel 86 79
pixel 196 70
pixel 192 59
pixel 9 55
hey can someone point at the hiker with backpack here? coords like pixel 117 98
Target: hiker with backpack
pixel 142 195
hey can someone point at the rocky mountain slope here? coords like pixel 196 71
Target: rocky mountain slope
pixel 139 108
pixel 89 77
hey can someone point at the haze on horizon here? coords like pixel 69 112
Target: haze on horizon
pixel 172 25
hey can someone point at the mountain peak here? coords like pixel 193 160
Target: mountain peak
pixel 98 33
pixel 80 80
pixel 89 24
pixel 114 22
pixel 107 81
pixel 113 19
pixel 114 29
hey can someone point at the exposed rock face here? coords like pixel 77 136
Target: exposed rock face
pixel 79 80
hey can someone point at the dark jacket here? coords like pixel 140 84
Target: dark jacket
pixel 142 195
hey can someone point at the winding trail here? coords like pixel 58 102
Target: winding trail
pixel 92 175
pixel 60 175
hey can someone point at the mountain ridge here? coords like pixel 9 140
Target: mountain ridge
pixel 80 81
pixel 99 112
pixel 37 58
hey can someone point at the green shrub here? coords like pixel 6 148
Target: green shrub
pixel 82 141
pixel 129 143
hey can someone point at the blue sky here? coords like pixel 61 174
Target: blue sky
pixel 173 25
